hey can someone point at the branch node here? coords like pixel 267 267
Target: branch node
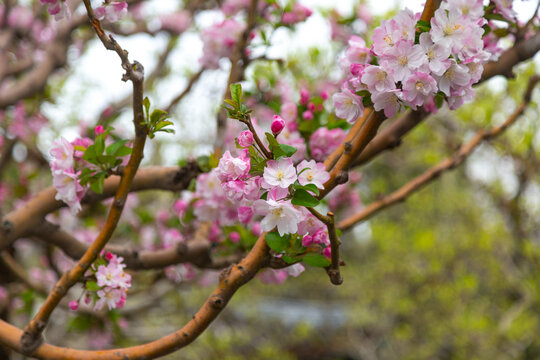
pixel 342 177
pixel 31 340
pixel 217 301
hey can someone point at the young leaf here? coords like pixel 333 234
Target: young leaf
pixel 316 260
pixel 309 187
pixel 96 184
pixel 236 94
pixel 303 198
pixel 287 149
pixel 92 286
pixel 276 242
pixel 146 104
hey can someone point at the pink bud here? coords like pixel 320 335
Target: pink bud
pixel 311 106
pixel 307 240
pixel 304 96
pixel 73 305
pixel 256 229
pixel 327 252
pixel 180 207
pixel 325 95
pixel 99 130
pixel 277 125
pixel 245 139
pixel 307 115
pixel 234 236
pixel 109 256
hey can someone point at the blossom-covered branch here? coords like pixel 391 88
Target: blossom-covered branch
pixel 448 164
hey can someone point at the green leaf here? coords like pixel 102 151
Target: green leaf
pixel 157 115
pixel 90 154
pixel 99 144
pixel 163 123
pixel 316 260
pixel 287 149
pixel 290 259
pixel 439 99
pixel 303 198
pixel 236 94
pixel 146 104
pixel 92 286
pixel 114 147
pixel 309 187
pixel 277 242
pixel 96 184
pixel 423 26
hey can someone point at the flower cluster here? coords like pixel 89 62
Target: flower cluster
pixel 414 63
pixel 219 41
pixel 65 178
pixel 112 11
pixel 58 8
pixel 108 283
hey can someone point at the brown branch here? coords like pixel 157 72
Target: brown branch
pixel 196 252
pixel 230 281
pixel 22 220
pixel 32 338
pixel 186 91
pixel 431 174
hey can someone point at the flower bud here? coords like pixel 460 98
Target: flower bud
pixel 307 115
pixel 304 96
pixel 245 139
pixel 277 125
pixel 99 130
pixel 234 236
pixel 73 305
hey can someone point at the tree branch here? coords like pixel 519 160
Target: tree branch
pixel 450 163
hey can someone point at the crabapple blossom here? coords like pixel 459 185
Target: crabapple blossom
pixel 389 101
pixel 377 79
pixel 112 11
pixel 113 298
pixel 403 59
pixel 454 78
pixel 68 188
pixel 233 168
pixel 245 139
pixel 418 87
pixel 297 14
pixel 437 54
pixel 311 172
pixel 448 27
pixel 58 8
pixel 280 173
pixel 281 214
pixel 323 142
pixel 219 41
pixel 348 105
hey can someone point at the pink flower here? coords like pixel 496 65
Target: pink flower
pixel 289 111
pixel 297 14
pixel 219 41
pixel 62 153
pixel 245 139
pixel 403 58
pixel 304 96
pixel 418 88
pixel 73 305
pixel 277 125
pixel 68 188
pixel 295 270
pixel 234 236
pixel 307 115
pixel 231 168
pixel 112 11
pixel 456 77
pixel 470 8
pixel 58 8
pixel 504 7
pixel 113 298
pixel 315 174
pixel 176 23
pixel 280 214
pixel 323 142
pixel 377 79
pixel 448 27
pixel 279 173
pixel 388 101
pixel 234 189
pixel 348 105
pixel 245 214
pixel 437 54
